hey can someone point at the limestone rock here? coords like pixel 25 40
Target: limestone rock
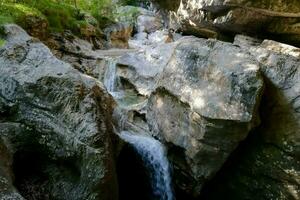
pixel 55 126
pixel 118 35
pixel 203 97
pixel 268 19
pixel 148 23
pixel 266 165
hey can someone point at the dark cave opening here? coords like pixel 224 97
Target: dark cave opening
pixel 133 176
pixel 30 179
pixel 35 173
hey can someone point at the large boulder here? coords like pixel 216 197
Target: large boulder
pixel 55 126
pixel 220 18
pixel 202 101
pixel 267 165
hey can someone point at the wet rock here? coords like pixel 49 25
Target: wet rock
pixel 55 126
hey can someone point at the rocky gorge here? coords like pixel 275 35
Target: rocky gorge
pixel 212 113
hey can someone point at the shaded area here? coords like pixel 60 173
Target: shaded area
pixel 263 165
pixel 35 172
pixel 30 179
pixel 133 176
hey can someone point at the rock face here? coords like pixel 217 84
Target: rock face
pixel 148 23
pixel 267 165
pixel 217 18
pixel 36 26
pixel 55 126
pixel 203 100
pixel 118 35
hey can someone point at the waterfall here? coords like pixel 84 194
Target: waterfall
pixel 111 79
pixel 110 75
pixel 154 156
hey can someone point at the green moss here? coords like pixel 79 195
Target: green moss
pixel 2 43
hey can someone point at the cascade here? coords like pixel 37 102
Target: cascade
pixel 154 157
pixel 110 75
pixel 111 79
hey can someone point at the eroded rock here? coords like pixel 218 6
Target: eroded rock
pixel 55 126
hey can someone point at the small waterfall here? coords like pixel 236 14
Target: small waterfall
pixel 111 79
pixel 110 75
pixel 154 156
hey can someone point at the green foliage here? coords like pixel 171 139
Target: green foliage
pixel 60 14
pixel 5 19
pixel 68 14
pixel 15 12
pixel 127 14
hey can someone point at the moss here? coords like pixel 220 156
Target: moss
pixel 5 19
pixel 2 43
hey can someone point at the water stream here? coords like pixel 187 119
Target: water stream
pixel 152 152
pixel 154 157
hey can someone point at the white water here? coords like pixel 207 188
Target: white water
pixel 154 157
pixel 111 79
pixel 110 75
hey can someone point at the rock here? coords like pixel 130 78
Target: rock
pixel 145 23
pixel 118 35
pixel 203 97
pixel 148 24
pixel 36 26
pixel 87 31
pixel 79 53
pixel 266 166
pixel 268 19
pixel 55 126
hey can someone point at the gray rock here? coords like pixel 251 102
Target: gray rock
pixel 266 165
pixel 215 18
pixel 203 100
pixel 148 24
pixel 118 35
pixel 55 126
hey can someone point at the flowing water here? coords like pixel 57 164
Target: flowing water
pixel 110 76
pixel 154 157
pixel 152 152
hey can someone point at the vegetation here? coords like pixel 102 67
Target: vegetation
pixel 127 14
pixel 60 14
pixel 2 43
pixel 135 2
